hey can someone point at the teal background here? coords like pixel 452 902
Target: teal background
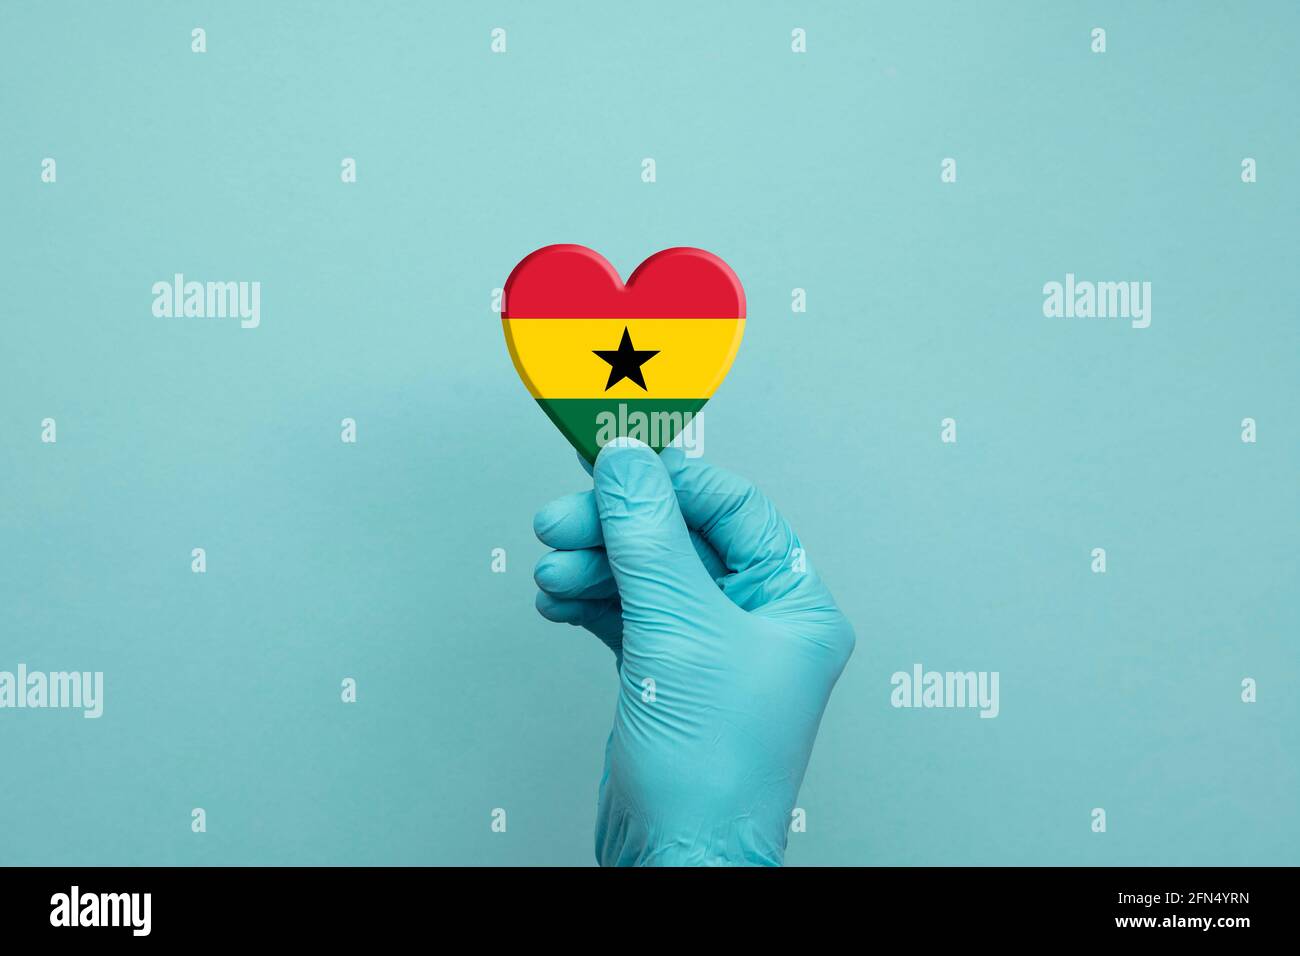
pixel 819 171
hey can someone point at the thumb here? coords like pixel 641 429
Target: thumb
pixel 655 565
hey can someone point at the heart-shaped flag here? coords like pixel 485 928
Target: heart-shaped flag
pixel 608 360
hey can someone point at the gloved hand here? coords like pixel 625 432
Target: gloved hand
pixel 727 649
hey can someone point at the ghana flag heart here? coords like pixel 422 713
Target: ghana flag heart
pixel 608 360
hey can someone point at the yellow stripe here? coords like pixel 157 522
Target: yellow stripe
pixel 555 357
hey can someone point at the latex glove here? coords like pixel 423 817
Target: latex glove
pixel 727 652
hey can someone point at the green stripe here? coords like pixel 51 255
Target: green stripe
pixel 589 422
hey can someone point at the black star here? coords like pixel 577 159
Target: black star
pixel 625 362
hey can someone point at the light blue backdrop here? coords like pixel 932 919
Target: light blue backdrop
pixel 818 171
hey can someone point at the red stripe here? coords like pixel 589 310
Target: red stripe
pixel 574 282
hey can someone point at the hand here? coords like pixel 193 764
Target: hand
pixel 727 647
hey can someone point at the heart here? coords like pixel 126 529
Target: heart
pixel 606 360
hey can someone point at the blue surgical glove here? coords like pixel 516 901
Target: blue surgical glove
pixel 727 645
